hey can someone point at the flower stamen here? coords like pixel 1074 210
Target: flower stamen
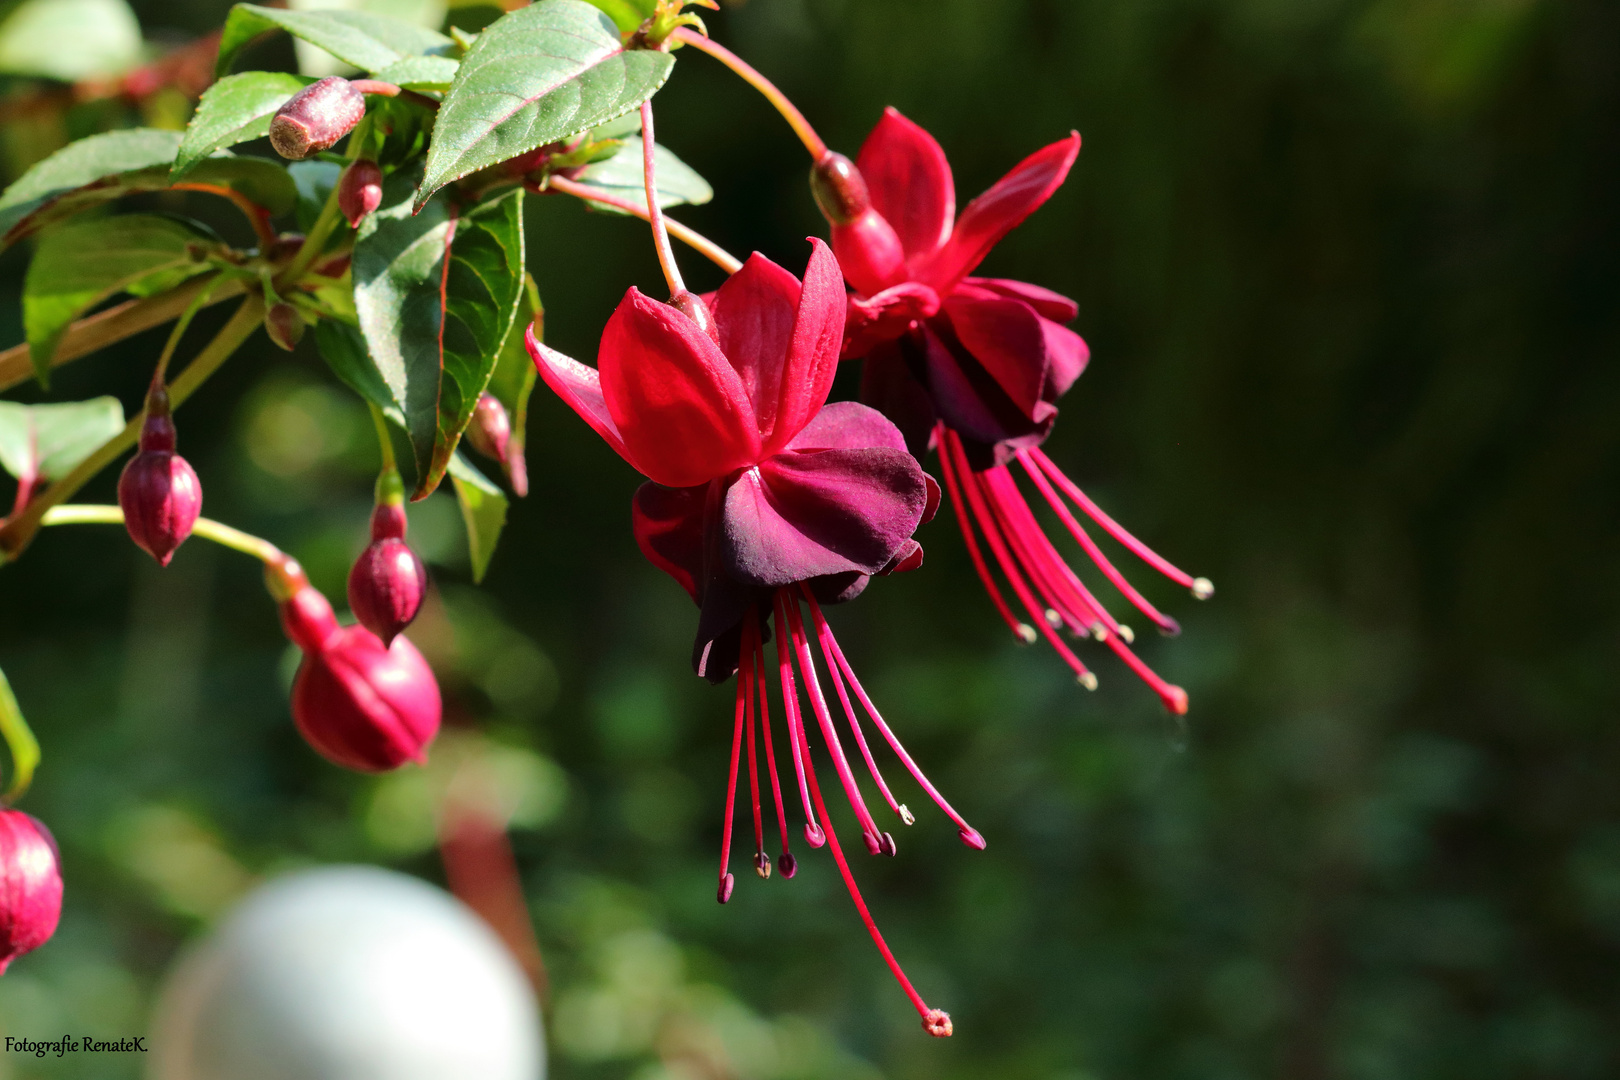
pixel 790 705
pixel 784 862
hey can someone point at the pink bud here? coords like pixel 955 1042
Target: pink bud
pixel 360 191
pixel 159 491
pixel 869 252
pixel 316 117
pixel 839 188
pixel 388 581
pixel 361 704
pixel 30 885
pixel 491 428
pixel 284 325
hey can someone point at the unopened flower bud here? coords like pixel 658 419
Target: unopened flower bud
pixel 692 306
pixel 30 885
pixel 491 429
pixel 284 325
pixel 360 191
pixel 839 188
pixel 361 704
pixel 388 580
pixel 316 117
pixel 158 490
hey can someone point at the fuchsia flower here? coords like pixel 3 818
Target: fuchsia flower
pixel 30 885
pixel 973 367
pixel 759 500
pixel 158 490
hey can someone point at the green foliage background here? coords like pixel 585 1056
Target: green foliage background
pixel 1349 272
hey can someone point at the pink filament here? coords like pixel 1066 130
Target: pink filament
pixel 745 686
pixel 790 705
pixel 1110 526
pixel 731 786
pixel 758 649
pixel 971 541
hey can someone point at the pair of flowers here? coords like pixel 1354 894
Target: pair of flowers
pixel 763 500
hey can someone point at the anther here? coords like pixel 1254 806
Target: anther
pixel 787 864
pixel 972 838
pixel 937 1022
pixel 1127 633
pixel 762 865
pixel 1087 679
pixel 1170 628
pixel 905 815
pixel 1175 699
pixel 1202 588
pixel 889 847
pixel 1053 619
pixel 727 883
pixel 813 835
pixel 1026 633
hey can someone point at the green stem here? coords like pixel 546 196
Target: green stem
pixel 20 739
pixel 207 528
pixel 19 530
pixel 384 443
pixel 179 331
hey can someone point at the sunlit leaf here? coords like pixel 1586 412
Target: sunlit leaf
pixel 537 75
pixel 70 40
pixel 234 110
pixel 48 441
pixel 622 175
pixel 371 42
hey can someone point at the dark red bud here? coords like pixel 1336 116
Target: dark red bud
pixel 727 883
pixel 316 117
pixel 360 191
pixel 158 490
pixel 387 582
pixel 30 885
pixel 692 306
pixel 839 188
pixel 361 704
pixel 284 325
pixel 786 863
pixel 491 428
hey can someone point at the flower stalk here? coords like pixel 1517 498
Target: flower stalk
pixel 749 74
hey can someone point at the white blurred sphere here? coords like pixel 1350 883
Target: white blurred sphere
pixel 348 973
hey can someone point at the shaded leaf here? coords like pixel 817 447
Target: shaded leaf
pixel 622 175
pixel 314 180
pixel 343 348
pixel 535 76
pixel 433 331
pixel 421 72
pixel 266 182
pixel 234 110
pixel 513 380
pixel 370 42
pixel 19 739
pixel 83 263
pixel 483 510
pixel 69 40
pixel 49 441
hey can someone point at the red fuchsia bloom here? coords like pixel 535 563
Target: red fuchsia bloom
pixel 30 885
pixel 761 500
pixel 388 581
pixel 973 367
pixel 361 704
pixel 158 490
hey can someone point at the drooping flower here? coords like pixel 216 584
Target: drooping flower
pixel 30 885
pixel 759 500
pixel 361 704
pixel 972 367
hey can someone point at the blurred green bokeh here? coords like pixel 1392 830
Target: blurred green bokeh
pixel 1350 271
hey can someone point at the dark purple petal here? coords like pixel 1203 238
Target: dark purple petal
pixel 805 514
pixel 1005 337
pixel 889 385
pixel 668 523
pixel 848 425
pixel 971 402
pixel 1047 304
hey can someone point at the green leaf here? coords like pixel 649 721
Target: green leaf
pixel 49 441
pixel 70 40
pixel 537 75
pixel 83 263
pixel 84 173
pixel 105 167
pixel 622 175
pixel 234 110
pixel 627 14
pixel 421 72
pixel 513 380
pixel 343 348
pixel 483 509
pixel 266 182
pixel 24 747
pixel 314 180
pixel 433 332
pixel 367 41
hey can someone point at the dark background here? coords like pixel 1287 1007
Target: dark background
pixel 1348 271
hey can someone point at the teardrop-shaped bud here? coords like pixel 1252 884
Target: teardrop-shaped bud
pixel 30 885
pixel 490 431
pixel 360 191
pixel 839 188
pixel 316 117
pixel 158 490
pixel 284 325
pixel 388 580
pixel 361 704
